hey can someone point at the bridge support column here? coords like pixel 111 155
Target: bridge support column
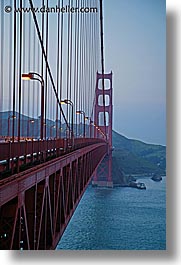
pixel 103 175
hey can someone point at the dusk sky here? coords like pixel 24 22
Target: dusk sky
pixel 135 50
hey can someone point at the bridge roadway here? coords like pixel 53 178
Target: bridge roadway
pixel 45 184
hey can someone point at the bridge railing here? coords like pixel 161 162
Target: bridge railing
pixel 17 149
pixel 14 155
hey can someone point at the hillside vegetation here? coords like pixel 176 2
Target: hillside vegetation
pixel 136 157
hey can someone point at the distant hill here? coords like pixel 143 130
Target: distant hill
pixel 133 157
pixel 5 115
pixel 130 157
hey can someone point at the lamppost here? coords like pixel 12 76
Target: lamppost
pixel 69 102
pixel 60 132
pixel 52 127
pixel 9 118
pixel 99 131
pixel 79 112
pixel 30 122
pixel 90 123
pixel 32 76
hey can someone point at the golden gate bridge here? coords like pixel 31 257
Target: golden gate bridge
pixel 55 117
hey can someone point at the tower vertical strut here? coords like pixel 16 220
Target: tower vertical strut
pixel 103 175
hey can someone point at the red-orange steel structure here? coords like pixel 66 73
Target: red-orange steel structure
pixel 103 176
pixel 42 181
pixel 37 204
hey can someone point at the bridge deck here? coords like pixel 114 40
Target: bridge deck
pixel 37 204
pixel 18 156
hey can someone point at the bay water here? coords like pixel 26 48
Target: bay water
pixel 119 219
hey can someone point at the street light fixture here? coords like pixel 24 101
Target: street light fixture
pixel 32 122
pixel 90 125
pixel 99 130
pixel 32 76
pixel 52 127
pixel 10 117
pixel 69 102
pixel 79 112
pixel 91 122
pixel 27 76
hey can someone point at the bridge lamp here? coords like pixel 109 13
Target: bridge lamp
pixel 90 125
pixel 52 127
pixel 29 122
pixel 81 112
pixel 37 77
pixel 62 102
pixel 27 76
pixel 9 118
pixel 69 102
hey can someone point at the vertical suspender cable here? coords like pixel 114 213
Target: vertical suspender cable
pixel 88 98
pixel 93 71
pixel 61 62
pixel 80 66
pixel 29 65
pixel 70 74
pixel 83 65
pixel 58 64
pixel 68 64
pixel 33 63
pixel 39 70
pixel 47 64
pixel 96 52
pixel 42 36
pixel 2 62
pixel 76 64
pixel 14 74
pixel 42 59
pixel 76 89
pixel 10 58
pixel 20 63
pixel 25 62
pixel 83 61
pixel 102 60
pixel 46 74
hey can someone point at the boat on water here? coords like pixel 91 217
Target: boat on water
pixel 138 185
pixel 156 178
pixel 141 186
